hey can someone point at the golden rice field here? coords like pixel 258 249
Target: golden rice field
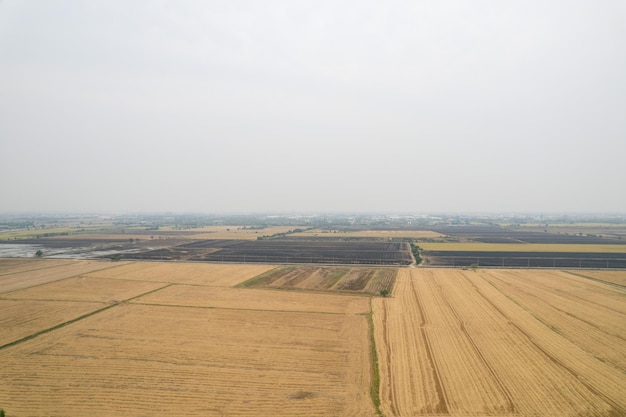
pixel 174 339
pixel 501 342
pixel 84 338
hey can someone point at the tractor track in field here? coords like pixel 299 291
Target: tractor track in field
pixel 511 408
pixel 443 407
pixel 547 354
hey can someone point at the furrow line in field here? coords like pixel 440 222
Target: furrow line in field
pixel 559 309
pixel 36 269
pixel 511 408
pixel 66 323
pixel 443 406
pixel 614 284
pixel 588 294
pixel 615 404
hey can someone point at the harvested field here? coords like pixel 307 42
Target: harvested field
pixel 501 342
pixel 250 299
pixel 615 277
pixel 44 271
pixel 14 265
pixel 170 348
pixel 85 288
pixel 221 275
pixel 157 360
pixel 22 318
pixel 355 279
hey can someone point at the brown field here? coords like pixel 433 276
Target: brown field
pixel 85 288
pixel 223 275
pixel 178 342
pixel 177 339
pixel 331 278
pixel 615 277
pixel 501 342
pixel 13 265
pixel 251 299
pixel 22 318
pixel 17 276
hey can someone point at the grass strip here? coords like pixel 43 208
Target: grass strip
pixel 84 316
pixel 375 384
pixel 58 326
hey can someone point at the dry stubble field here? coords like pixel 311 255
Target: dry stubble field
pixel 83 338
pixel 131 339
pixel 501 342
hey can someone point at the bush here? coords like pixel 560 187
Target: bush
pixel 383 293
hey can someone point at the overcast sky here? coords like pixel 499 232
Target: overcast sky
pixel 311 106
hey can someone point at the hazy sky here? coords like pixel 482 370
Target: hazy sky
pixel 220 106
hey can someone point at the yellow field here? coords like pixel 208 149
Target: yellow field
pixel 185 273
pixel 236 232
pixel 43 271
pixel 85 338
pixel 172 339
pixel 500 342
pixel 521 247
pixel 414 234
pixel 615 277
pixel 21 318
pixel 13 265
pixel 235 298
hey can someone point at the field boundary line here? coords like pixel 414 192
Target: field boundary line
pixel 614 284
pixel 512 408
pixel 35 269
pixel 74 320
pixel 2 294
pixel 583 299
pixel 58 326
pixel 242 309
pixel 550 326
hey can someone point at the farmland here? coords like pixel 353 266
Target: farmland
pixel 501 342
pixel 360 280
pixel 133 338
pixel 284 251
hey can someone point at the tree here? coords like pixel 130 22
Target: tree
pixel 384 293
pixel 38 254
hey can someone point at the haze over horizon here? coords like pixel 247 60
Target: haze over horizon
pixel 241 106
